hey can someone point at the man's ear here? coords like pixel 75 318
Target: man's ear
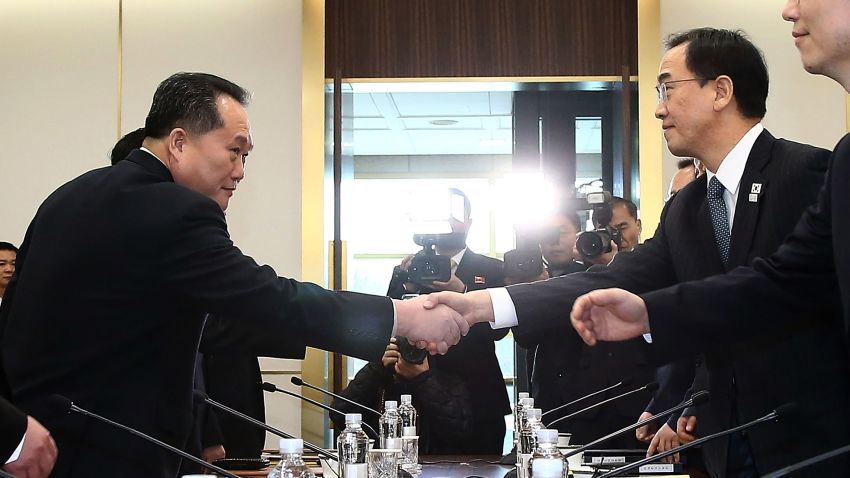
pixel 724 90
pixel 176 142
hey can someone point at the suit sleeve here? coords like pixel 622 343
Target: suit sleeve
pixel 203 271
pixel 728 308
pixel 673 380
pixel 543 307
pixel 13 426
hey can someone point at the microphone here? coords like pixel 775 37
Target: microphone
pixel 300 383
pixel 270 387
pixel 65 405
pixel 203 397
pixel 782 412
pixel 808 462
pixel 696 399
pixel 560 407
pixel 651 387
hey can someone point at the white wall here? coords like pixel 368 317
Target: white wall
pixel 800 106
pixel 59 94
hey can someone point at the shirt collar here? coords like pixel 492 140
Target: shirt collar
pixel 459 256
pixel 732 168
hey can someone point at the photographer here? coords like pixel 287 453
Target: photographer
pixel 473 360
pixel 560 374
pixel 442 399
pixel 620 223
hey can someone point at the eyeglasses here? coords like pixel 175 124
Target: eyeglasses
pixel 661 88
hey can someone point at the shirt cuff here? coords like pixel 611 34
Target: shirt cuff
pixel 504 311
pixel 395 318
pixel 17 451
pixel 647 338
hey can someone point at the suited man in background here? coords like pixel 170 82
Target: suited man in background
pixel 474 359
pixel 712 90
pixel 148 241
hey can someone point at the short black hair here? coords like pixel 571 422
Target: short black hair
pixel 686 163
pixel 129 142
pixel 712 52
pixel 188 100
pixel 618 201
pixel 8 246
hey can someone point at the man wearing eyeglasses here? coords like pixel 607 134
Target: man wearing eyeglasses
pixel 712 88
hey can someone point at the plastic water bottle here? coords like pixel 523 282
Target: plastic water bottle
pixel 352 445
pixel 408 416
pixel 547 461
pixel 390 422
pixel 528 440
pixel 522 399
pixel 291 464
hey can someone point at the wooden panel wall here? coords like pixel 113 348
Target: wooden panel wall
pixel 480 38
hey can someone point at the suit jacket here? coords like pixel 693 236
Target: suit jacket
pixel 133 262
pixel 474 358
pixel 771 369
pixel 13 424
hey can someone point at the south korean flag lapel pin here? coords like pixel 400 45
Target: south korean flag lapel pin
pixel 755 192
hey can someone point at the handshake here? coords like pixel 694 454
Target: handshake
pixel 438 321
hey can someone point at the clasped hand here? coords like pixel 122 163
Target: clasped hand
pixel 438 321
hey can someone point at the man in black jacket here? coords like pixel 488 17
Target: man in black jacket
pixel 474 360
pixel 148 242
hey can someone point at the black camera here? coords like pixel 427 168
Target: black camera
pixel 594 243
pixel 526 261
pixel 410 353
pixel 426 266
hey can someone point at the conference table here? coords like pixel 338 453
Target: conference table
pixel 463 466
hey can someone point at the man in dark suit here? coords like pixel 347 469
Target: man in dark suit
pixel 148 243
pixel 474 360
pixel 712 90
pixel 810 268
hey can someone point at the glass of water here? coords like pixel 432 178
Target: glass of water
pixel 383 463
pixel 410 454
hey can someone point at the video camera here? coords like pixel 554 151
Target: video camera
pixel 426 266
pixel 526 261
pixel 591 244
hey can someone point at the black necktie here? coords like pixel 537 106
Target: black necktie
pixel 719 218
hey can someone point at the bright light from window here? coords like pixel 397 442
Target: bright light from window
pixel 529 198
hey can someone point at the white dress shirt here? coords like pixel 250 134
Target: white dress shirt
pixel 729 174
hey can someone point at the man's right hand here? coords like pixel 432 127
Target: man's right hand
pixel 686 428
pixel 391 354
pixel 435 328
pixel 610 315
pixel 38 454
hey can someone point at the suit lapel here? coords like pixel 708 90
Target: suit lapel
pixel 746 211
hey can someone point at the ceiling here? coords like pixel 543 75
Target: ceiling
pixel 426 119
